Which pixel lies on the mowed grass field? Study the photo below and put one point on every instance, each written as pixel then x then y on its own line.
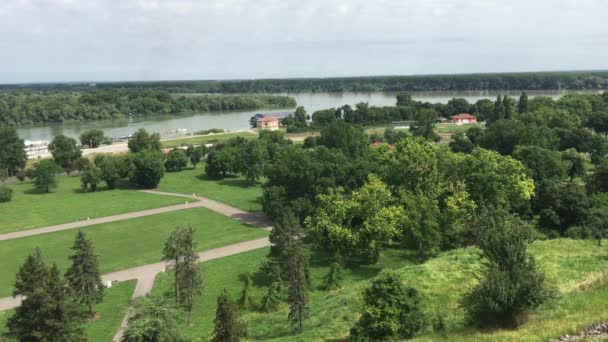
pixel 125 244
pixel 234 191
pixel 109 313
pixel 441 281
pixel 206 139
pixel 66 203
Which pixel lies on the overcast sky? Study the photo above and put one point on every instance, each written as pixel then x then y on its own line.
pixel 109 40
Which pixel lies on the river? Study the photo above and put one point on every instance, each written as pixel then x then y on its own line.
pixel 235 121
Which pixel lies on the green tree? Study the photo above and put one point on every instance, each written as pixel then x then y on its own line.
pixel 391 310
pixel 65 152
pixel 48 312
pixel 420 223
pixel 176 160
pixel 511 282
pixel 499 110
pixel 90 177
pixel 496 180
pixel 508 107
pixel 522 104
pixel 300 117
pixel 334 276
pixel 195 154
pixel 228 328
pixel 83 275
pixel 576 163
pixel 599 179
pixel 297 283
pixel 460 143
pixel 404 99
pixel 148 168
pixel 142 140
pixel 92 138
pixel 254 158
pixel 45 172
pixel 357 224
pixel 246 299
pixel 540 163
pixel 153 319
pixel 424 126
pixel 272 299
pixel 598 121
pixel 348 138
pixel 12 153
pixel 31 274
pixel 180 251
pixel 110 167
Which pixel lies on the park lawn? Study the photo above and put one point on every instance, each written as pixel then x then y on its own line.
pixel 441 281
pixel 234 191
pixel 206 139
pixel 109 313
pixel 125 244
pixel 66 203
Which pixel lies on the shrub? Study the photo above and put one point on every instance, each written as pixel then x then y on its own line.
pixel 579 232
pixel 511 282
pixel 391 310
pixel 6 194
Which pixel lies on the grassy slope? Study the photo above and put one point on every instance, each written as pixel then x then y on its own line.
pixel 441 281
pixel 110 312
pixel 125 244
pixel 206 139
pixel 232 191
pixel 66 203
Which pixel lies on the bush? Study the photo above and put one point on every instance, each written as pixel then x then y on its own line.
pixel 209 131
pixel 391 310
pixel 579 232
pixel 511 282
pixel 6 194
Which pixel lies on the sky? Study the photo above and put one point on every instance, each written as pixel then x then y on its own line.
pixel 121 40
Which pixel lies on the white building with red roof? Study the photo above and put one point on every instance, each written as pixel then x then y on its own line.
pixel 464 119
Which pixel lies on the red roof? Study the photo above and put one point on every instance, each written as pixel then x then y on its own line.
pixel 268 119
pixel 463 116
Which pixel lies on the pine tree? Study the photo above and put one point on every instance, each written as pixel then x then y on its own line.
pixel 279 236
pixel 153 319
pixel 246 300
pixel 48 313
pixel 297 284
pixel 272 299
pixel 83 276
pixel 522 105
pixel 31 274
pixel 508 108
pixel 228 328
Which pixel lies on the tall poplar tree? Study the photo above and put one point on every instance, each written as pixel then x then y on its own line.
pixel 499 109
pixel 83 276
pixel 508 107
pixel 522 105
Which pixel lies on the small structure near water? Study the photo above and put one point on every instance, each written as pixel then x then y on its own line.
pixel 271 121
pixel 464 119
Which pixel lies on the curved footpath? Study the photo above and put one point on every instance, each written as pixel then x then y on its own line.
pixel 145 275
pixel 252 218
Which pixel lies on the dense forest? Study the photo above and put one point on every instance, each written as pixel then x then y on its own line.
pixel 23 107
pixel 495 81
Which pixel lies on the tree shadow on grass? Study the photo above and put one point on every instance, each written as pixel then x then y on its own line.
pixel 229 180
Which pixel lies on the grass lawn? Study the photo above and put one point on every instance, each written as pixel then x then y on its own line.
pixel 206 139
pixel 441 281
pixel 66 203
pixel 124 244
pixel 233 191
pixel 111 312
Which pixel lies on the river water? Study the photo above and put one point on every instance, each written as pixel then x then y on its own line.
pixel 235 121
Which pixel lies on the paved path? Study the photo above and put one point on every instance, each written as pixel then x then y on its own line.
pixel 253 218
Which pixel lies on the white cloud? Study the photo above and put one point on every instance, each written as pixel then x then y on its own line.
pixel 159 39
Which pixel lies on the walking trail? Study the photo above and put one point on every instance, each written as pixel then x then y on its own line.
pixel 253 218
pixel 145 275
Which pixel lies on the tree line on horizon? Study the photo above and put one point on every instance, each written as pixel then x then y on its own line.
pixel 481 81
pixel 25 107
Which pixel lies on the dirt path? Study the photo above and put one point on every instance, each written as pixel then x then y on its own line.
pixel 253 218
